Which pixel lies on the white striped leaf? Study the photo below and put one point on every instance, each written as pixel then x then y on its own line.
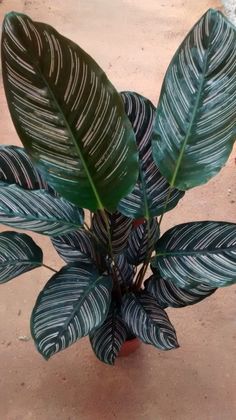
pixel 119 230
pixel 37 211
pixel 198 252
pixel 125 272
pixel 196 116
pixel 148 321
pixel 18 254
pixel 68 115
pixel 148 198
pixel 16 167
pixel 141 243
pixel 73 303
pixel 106 340
pixel 166 293
pixel 75 246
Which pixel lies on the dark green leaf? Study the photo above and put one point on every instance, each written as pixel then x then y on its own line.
pixel 125 272
pixel 141 243
pixel 37 211
pixel 166 293
pixel 75 301
pixel 18 254
pixel 68 115
pixel 148 198
pixel 198 252
pixel 148 321
pixel 196 116
pixel 106 340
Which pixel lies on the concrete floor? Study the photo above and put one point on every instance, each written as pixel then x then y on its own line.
pixel 133 40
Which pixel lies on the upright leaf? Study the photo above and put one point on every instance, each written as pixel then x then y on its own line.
pixel 38 211
pixel 18 254
pixel 196 116
pixel 68 115
pixel 124 270
pixel 106 340
pixel 75 246
pixel 166 293
pixel 74 302
pixel 16 167
pixel 119 230
pixel 148 321
pixel 142 241
pixel 148 198
pixel 198 252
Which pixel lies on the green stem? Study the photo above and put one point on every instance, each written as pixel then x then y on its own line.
pixel 49 268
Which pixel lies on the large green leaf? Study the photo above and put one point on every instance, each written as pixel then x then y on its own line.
pixel 75 301
pixel 68 115
pixel 148 198
pixel 148 321
pixel 198 252
pixel 167 293
pixel 18 254
pixel 38 211
pixel 195 125
pixel 106 340
pixel 16 167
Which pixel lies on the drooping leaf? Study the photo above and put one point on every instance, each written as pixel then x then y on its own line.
pixel 74 246
pixel 196 116
pixel 166 293
pixel 68 115
pixel 75 301
pixel 119 230
pixel 148 321
pixel 198 252
pixel 16 167
pixel 140 243
pixel 148 198
pixel 18 254
pixel 37 211
pixel 106 340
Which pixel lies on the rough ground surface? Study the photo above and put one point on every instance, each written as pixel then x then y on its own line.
pixel 133 40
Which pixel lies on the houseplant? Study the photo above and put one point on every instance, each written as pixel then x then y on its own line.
pixel 127 163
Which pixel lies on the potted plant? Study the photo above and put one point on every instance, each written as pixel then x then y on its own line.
pixel 98 172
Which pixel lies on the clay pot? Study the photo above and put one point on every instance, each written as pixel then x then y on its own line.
pixel 129 347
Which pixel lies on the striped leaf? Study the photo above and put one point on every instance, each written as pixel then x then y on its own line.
pixel 68 115
pixel 75 246
pixel 148 198
pixel 148 321
pixel 37 211
pixel 198 252
pixel 166 293
pixel 119 230
pixel 106 340
pixel 16 167
pixel 125 272
pixel 196 116
pixel 140 243
pixel 18 254
pixel 75 301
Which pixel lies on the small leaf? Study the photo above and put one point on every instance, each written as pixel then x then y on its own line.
pixel 198 252
pixel 148 321
pixel 140 244
pixel 194 131
pixel 74 302
pixel 18 254
pixel 148 198
pixel 16 167
pixel 166 293
pixel 125 271
pixel 106 340
pixel 119 230
pixel 74 246
pixel 67 114
pixel 37 211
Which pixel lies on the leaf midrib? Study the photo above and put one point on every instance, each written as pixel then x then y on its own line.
pixel 193 252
